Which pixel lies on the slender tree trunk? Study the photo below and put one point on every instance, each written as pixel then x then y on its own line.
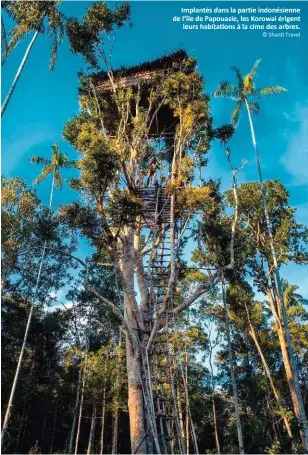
pixel 254 337
pixel 81 400
pixel 24 343
pixel 103 423
pixel 92 430
pixel 103 413
pixel 54 429
pixel 72 434
pixel 299 404
pixel 187 402
pixel 116 404
pixel 180 411
pixel 231 366
pixel 115 431
pixel 214 404
pixel 19 71
pixel 178 419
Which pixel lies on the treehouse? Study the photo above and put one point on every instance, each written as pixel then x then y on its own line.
pixel 142 80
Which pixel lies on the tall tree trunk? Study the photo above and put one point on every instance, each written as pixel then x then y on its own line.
pixel 231 366
pixel 54 429
pixel 72 434
pixel 103 413
pixel 135 400
pixel 187 401
pixel 24 343
pixel 92 431
pixel 84 371
pixel 103 423
pixel 180 411
pixel 115 431
pixel 299 408
pixel 217 443
pixel 136 406
pixel 254 337
pixel 19 71
pixel 116 404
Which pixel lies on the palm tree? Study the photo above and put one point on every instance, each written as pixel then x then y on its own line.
pixel 246 95
pixel 291 297
pixel 40 17
pixel 52 167
pixel 4 44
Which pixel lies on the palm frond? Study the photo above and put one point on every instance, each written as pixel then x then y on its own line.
pixel 17 34
pixel 58 179
pixel 45 172
pixel 4 44
pixel 254 70
pixel 227 90
pixel 8 7
pixel 254 108
pixel 72 164
pixel 55 32
pixel 272 90
pixel 239 77
pixel 237 112
pixel 39 160
pixel 55 152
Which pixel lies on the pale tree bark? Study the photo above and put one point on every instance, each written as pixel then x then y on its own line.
pixel 187 401
pixel 19 71
pixel 180 411
pixel 135 401
pixel 233 380
pixel 217 443
pixel 92 431
pixel 276 394
pixel 84 372
pixel 103 423
pixel 133 356
pixel 116 402
pixel 72 434
pixel 103 413
pixel 297 399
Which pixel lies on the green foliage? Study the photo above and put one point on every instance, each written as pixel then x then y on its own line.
pixel 124 208
pixel 246 92
pixel 290 237
pixel 52 167
pixel 86 35
pixel 43 17
pixel 26 224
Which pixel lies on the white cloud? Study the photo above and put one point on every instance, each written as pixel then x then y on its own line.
pixel 295 159
pixel 14 150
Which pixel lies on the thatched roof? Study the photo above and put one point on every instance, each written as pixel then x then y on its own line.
pixel 133 75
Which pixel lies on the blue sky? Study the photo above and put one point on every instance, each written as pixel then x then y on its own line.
pixel 44 101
